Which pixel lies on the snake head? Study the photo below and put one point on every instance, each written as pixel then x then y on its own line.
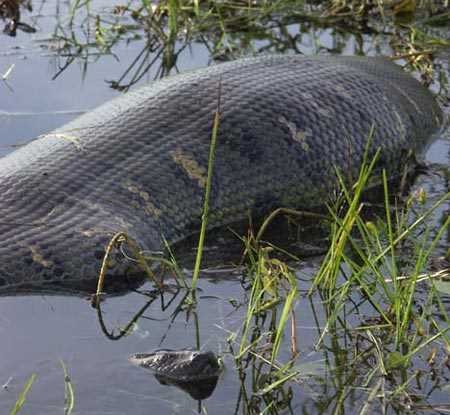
pixel 181 365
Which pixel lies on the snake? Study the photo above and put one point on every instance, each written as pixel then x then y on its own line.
pixel 181 365
pixel 138 164
pixel 193 371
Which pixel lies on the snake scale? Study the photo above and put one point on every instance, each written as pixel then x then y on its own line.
pixel 138 163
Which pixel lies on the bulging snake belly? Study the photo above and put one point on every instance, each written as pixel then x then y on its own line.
pixel 138 163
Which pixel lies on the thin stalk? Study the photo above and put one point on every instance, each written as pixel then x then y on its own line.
pixel 23 395
pixel 69 396
pixel 212 153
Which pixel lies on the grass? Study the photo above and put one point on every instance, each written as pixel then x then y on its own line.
pixel 212 152
pixel 69 395
pixel 229 29
pixel 23 395
pixel 397 332
pixel 271 303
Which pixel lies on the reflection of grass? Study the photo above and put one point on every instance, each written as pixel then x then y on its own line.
pixel 229 29
pixel 69 395
pixel 381 351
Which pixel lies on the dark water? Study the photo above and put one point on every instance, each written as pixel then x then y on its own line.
pixel 37 331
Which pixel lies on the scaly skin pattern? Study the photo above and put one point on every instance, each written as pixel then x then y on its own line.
pixel 181 365
pixel 138 164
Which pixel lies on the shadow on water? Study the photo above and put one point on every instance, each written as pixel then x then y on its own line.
pixel 347 349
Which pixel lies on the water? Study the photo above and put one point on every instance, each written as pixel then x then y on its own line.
pixel 39 331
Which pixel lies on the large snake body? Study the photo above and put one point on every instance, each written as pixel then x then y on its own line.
pixel 138 164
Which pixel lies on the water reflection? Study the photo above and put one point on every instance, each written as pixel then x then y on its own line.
pixel 198 390
pixel 194 371
pixel 162 36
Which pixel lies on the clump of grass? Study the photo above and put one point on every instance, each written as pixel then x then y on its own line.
pixel 417 48
pixel 365 260
pixel 341 228
pixel 270 307
pixel 229 29
pixel 363 9
pixel 369 257
pixel 374 257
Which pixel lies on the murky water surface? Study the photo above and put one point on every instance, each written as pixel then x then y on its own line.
pixel 38 331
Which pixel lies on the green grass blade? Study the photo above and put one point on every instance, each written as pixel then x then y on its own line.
pixel 212 152
pixel 23 395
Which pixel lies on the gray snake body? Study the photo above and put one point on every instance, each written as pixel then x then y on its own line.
pixel 138 163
